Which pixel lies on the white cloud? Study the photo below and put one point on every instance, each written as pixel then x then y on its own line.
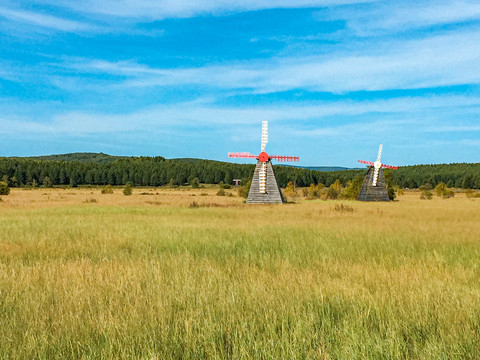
pixel 436 61
pixel 320 117
pixel 46 21
pixel 397 16
pixel 155 9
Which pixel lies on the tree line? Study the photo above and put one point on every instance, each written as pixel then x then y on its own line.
pixel 158 171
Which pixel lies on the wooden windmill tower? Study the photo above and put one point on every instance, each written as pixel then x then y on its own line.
pixel 374 187
pixel 264 188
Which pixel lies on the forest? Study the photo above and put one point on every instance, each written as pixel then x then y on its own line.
pixel 101 169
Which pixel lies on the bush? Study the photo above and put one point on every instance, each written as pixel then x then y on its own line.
pixel 353 189
pixel 4 189
pixel 47 183
pixel 469 193
pixel 313 191
pixel 128 189
pixel 221 192
pixel 289 191
pixel 108 189
pixel 392 194
pixel 244 190
pixel 426 195
pixel 442 190
pixel 332 193
pixel 195 182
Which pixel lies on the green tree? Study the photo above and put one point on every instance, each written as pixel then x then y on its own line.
pixel 312 191
pixel 332 193
pixel 353 188
pixel 441 190
pixel 4 189
pixel 195 182
pixel 127 190
pixel 426 195
pixel 290 190
pixel 47 183
pixel 245 189
pixel 5 179
pixel 389 181
pixel 108 189
pixel 337 185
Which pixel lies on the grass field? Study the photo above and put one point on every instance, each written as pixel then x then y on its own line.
pixel 91 276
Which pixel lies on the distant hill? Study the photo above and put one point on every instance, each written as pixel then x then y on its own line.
pixel 106 158
pixel 82 157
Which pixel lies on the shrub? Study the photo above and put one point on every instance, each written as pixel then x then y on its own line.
pixel 47 183
pixel 195 182
pixel 289 191
pixel 337 185
pixel 426 195
pixel 469 193
pixel 108 189
pixel 332 193
pixel 353 189
pixel 244 190
pixel 221 192
pixel 128 189
pixel 4 189
pixel 442 190
pixel 5 179
pixel 392 194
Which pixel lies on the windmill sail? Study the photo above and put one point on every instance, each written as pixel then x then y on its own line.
pixel 377 164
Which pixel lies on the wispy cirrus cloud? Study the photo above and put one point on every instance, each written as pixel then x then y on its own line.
pixel 205 113
pixel 45 20
pixel 157 10
pixel 443 60
pixel 397 16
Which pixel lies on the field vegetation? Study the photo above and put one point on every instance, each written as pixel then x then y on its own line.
pixel 86 275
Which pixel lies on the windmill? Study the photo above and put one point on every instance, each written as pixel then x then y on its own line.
pixel 264 188
pixel 374 187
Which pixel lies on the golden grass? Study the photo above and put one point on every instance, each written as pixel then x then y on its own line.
pixel 147 276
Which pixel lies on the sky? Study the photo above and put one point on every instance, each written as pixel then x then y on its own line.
pixel 185 78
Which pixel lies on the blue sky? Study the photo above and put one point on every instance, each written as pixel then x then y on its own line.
pixel 191 78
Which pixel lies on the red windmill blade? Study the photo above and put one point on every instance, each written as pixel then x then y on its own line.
pixel 263 157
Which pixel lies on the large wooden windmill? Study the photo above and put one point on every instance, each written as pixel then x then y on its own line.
pixel 264 188
pixel 374 187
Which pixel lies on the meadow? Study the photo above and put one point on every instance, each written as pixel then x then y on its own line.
pixel 187 274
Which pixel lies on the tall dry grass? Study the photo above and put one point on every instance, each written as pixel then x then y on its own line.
pixel 124 278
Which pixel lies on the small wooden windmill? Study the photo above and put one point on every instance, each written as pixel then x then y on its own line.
pixel 374 187
pixel 264 188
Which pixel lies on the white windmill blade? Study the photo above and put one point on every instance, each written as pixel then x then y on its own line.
pixel 379 155
pixel 262 179
pixel 375 177
pixel 377 165
pixel 264 134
